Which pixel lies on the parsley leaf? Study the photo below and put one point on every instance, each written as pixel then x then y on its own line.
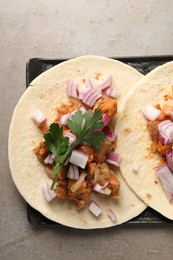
pixel 86 127
pixel 56 143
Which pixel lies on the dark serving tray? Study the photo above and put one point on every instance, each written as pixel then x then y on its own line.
pixel 36 66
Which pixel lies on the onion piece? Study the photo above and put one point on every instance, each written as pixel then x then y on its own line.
pixel 73 172
pixel 94 208
pixel 169 157
pixel 91 97
pixel 71 88
pixel 171 114
pixel 112 215
pixel 89 83
pixel 105 119
pixel 114 93
pixel 78 183
pixel 102 189
pixel 113 162
pixel 107 191
pixel 82 90
pixel 114 156
pixel 109 135
pixel 166 177
pixel 151 113
pixel 48 193
pixel 64 119
pixel 39 118
pixel 49 159
pixel 165 131
pixel 71 136
pixel 79 158
pixel 97 187
pixel 105 83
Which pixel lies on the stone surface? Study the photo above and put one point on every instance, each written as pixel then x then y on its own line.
pixel 64 29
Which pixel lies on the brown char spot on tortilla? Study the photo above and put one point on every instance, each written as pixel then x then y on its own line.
pixel 98 75
pixel 127 131
pixel 148 196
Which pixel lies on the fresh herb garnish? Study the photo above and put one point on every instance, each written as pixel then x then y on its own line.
pixel 86 127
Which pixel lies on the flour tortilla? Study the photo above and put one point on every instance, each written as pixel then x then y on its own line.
pixel 45 93
pixel 134 138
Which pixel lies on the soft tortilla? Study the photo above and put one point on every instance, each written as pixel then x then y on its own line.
pixel 134 138
pixel 28 173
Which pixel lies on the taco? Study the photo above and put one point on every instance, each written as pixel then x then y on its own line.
pixel 52 97
pixel 145 139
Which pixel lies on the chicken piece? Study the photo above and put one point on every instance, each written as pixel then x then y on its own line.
pixel 66 108
pixel 81 195
pixel 61 189
pixel 107 105
pixel 101 173
pixel 105 147
pixel 87 149
pixel 41 151
pixel 156 146
pixel 61 175
pixel 152 127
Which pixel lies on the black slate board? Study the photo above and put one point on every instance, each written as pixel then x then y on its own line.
pixel 35 67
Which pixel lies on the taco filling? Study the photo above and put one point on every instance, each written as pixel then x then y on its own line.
pixel 160 127
pixel 77 148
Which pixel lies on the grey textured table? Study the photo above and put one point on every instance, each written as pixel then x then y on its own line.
pixel 64 29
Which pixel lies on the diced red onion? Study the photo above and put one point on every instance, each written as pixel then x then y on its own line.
pixel 114 93
pixel 107 191
pixel 109 135
pixel 102 189
pixel 166 177
pixel 105 119
pixel 91 97
pixel 39 118
pixel 169 158
pixel 48 193
pixel 94 208
pixel 112 162
pixel 114 156
pixel 165 131
pixel 163 124
pixel 73 172
pixel 64 119
pixel 97 187
pixel 49 159
pixel 112 215
pixel 151 113
pixel 105 83
pixel 89 83
pixel 171 114
pixel 83 89
pixel 72 88
pixel 78 183
pixel 71 136
pixel 79 158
